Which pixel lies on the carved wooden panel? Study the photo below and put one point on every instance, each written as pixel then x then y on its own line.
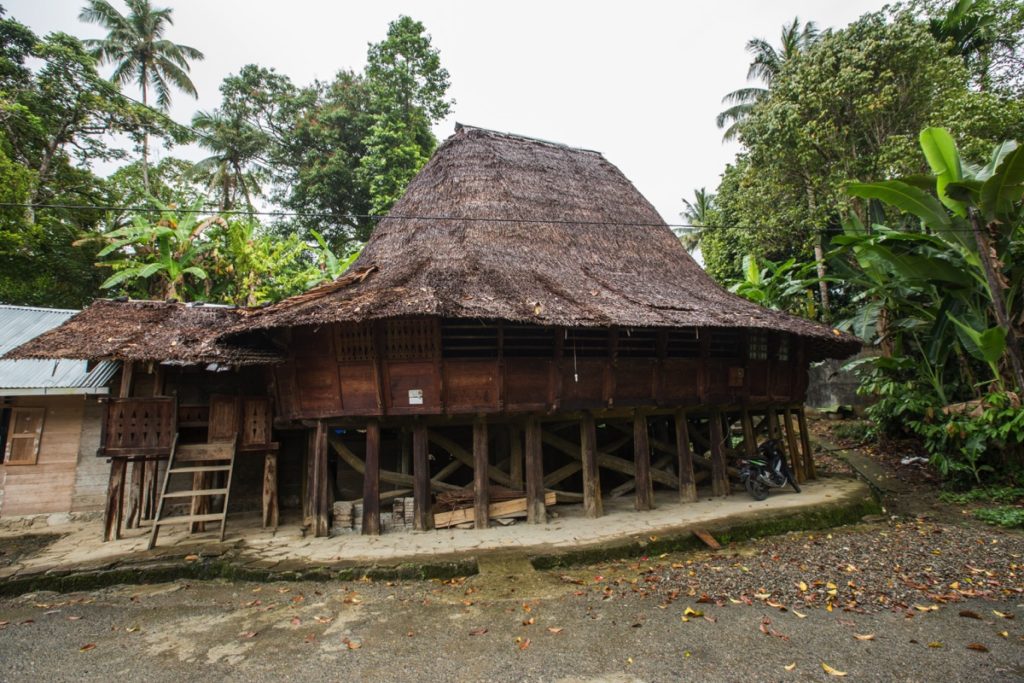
pixel 257 422
pixel 139 426
pixel 411 338
pixel 354 341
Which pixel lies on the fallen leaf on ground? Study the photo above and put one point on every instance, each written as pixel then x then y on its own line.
pixel 977 647
pixel 1004 615
pixel 790 667
pixel 191 558
pixel 926 608
pixel 830 671
pixel 132 629
pixel 478 632
pixel 688 612
pixel 524 644
pixel 87 647
pixel 74 618
pixel 802 586
pixel 968 614
pixel 799 615
pixel 247 634
pixel 354 644
pixel 935 644
pixel 296 621
pixel 529 622
pixel 323 620
pixel 554 629
pixel 352 600
pixel 769 631
pixel 864 636
pixel 310 637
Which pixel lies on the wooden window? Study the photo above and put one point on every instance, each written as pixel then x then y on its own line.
pixel 23 436
pixel 683 342
pixel 469 339
pixel 354 341
pixel 638 343
pixel 725 344
pixel 410 339
pixel 528 341
pixel 757 346
pixel 783 352
pixel 585 343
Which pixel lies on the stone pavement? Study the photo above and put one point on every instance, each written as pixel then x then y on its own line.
pixel 252 551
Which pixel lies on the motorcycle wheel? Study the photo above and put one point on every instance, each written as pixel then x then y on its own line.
pixel 756 489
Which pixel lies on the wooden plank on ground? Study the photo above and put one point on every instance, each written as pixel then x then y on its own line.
pixel 503 509
pixel 707 538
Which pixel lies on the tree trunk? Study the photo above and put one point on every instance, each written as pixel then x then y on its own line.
pixel 145 138
pixel 998 303
pixel 819 259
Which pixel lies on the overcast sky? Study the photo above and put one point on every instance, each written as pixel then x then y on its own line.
pixel 639 81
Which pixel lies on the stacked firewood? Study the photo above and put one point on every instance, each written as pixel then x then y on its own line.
pixel 463 498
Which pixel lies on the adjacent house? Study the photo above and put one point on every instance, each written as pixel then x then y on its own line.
pixel 50 422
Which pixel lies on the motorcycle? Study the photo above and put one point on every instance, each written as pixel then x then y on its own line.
pixel 767 471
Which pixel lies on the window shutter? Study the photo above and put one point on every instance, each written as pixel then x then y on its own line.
pixel 24 435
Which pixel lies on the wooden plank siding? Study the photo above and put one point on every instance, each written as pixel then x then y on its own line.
pixel 408 367
pixel 48 485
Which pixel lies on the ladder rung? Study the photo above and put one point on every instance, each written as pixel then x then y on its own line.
pixel 206 468
pixel 187 519
pixel 197 492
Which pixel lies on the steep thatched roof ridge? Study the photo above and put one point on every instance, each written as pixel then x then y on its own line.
pixel 144 331
pixel 499 226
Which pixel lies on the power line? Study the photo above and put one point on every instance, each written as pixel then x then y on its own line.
pixel 350 216
pixel 370 216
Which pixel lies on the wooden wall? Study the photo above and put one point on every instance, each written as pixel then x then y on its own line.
pixel 426 367
pixel 47 486
pixel 92 473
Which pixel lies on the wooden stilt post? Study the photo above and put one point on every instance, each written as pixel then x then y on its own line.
pixel 687 481
pixel 481 482
pixel 422 519
pixel 309 481
pixel 371 481
pixel 773 424
pixel 592 504
pixel 749 440
pixel 805 443
pixel 150 481
pixel 323 490
pixel 642 461
pixel 113 509
pixel 795 457
pixel 515 456
pixel 134 513
pixel 536 513
pixel 405 464
pixel 719 476
pixel 115 500
pixel 270 508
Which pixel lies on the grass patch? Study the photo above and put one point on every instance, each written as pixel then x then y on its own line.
pixel 1004 515
pixel 1004 495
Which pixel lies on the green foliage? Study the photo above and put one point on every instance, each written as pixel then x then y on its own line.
pixel 1005 516
pixel 786 286
pixel 989 494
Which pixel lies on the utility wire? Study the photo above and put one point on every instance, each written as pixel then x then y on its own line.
pixel 353 216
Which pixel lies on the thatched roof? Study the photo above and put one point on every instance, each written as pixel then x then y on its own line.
pixel 158 331
pixel 503 227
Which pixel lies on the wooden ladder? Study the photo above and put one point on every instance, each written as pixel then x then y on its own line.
pixel 207 458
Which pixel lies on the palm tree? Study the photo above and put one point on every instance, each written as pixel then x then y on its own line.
pixel 696 215
pixel 141 55
pixel 230 171
pixel 971 28
pixel 768 62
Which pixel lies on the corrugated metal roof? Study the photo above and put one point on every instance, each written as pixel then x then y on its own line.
pixel 18 324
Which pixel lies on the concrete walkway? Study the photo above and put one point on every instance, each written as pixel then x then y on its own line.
pixel 251 549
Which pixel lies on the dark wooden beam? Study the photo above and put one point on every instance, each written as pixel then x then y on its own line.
pixel 719 476
pixel 608 461
pixel 749 440
pixel 466 457
pixel 371 480
pixel 270 507
pixel 423 518
pixel 536 513
pixel 687 481
pixel 642 460
pixel 592 505
pixel 481 482
pixel 114 508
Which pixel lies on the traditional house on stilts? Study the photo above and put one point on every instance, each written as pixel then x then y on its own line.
pixel 523 324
